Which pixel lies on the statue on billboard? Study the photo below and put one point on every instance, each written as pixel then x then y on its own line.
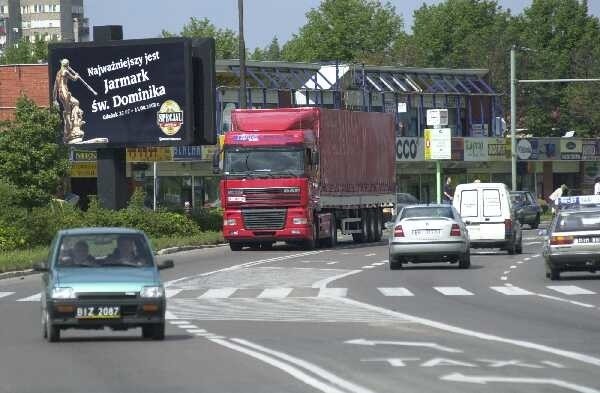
pixel 72 113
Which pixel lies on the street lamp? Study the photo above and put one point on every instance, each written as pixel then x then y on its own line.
pixel 242 50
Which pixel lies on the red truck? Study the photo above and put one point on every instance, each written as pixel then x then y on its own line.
pixel 300 174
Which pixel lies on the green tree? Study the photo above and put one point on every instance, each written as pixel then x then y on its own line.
pixel 346 30
pixel 563 41
pixel 271 52
pixel 32 160
pixel 226 40
pixel 26 52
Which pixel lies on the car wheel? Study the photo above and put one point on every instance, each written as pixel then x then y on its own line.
pixel 511 248
pixel 44 328
pixel 52 332
pixel 331 241
pixel 554 274
pixel 158 331
pixel 395 263
pixel 464 261
pixel 235 246
pixel 519 247
pixel 535 224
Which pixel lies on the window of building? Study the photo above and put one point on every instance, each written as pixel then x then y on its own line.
pixel 1 9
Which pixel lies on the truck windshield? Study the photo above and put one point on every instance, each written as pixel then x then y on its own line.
pixel 264 161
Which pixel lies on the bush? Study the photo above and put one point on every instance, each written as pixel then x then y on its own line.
pixel 208 219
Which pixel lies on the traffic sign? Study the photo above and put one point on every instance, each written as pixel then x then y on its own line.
pixel 437 117
pixel 438 144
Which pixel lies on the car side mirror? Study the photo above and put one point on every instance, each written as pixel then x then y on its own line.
pixel 168 264
pixel 40 267
pixel 389 225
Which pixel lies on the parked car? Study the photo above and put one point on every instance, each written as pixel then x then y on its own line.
pixel 526 207
pixel 404 199
pixel 489 216
pixel 572 242
pixel 429 233
pixel 98 277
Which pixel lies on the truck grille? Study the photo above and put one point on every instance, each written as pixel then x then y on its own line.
pixel 264 218
pixel 281 196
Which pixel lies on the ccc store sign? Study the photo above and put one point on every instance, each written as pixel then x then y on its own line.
pixel 409 149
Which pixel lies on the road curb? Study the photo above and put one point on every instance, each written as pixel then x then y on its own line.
pixel 164 251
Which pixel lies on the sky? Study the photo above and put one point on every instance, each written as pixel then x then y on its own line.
pixel 263 19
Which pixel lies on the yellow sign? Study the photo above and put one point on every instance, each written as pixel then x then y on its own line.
pixel 141 154
pixel 438 144
pixel 83 169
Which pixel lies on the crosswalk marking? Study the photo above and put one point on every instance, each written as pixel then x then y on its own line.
pixel 333 292
pixel 32 298
pixel 395 292
pixel 218 293
pixel 172 292
pixel 511 291
pixel 570 290
pixel 453 291
pixel 275 293
pixel 5 294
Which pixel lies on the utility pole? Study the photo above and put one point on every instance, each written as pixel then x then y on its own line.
pixel 513 116
pixel 242 55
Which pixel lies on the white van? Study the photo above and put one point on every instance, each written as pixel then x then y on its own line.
pixel 488 214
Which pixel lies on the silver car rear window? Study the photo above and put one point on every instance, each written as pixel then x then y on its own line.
pixel 427 211
pixel 578 222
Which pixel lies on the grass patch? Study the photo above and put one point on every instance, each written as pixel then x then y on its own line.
pixel 24 259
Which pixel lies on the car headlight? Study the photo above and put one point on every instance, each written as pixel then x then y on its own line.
pixel 152 292
pixel 63 293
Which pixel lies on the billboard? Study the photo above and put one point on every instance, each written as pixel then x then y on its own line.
pixel 134 92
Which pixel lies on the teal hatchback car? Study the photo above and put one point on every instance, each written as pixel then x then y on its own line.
pixel 102 277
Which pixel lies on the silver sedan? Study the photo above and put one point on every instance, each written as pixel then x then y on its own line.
pixel 429 233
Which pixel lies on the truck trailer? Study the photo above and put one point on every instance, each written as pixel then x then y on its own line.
pixel 299 175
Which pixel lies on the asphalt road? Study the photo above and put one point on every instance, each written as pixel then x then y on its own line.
pixel 331 320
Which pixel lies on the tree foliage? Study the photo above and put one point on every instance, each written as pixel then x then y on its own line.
pixel 346 30
pixel 271 52
pixel 32 160
pixel 26 52
pixel 226 40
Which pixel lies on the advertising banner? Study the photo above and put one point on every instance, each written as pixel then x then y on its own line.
pixel 149 154
pixel 438 144
pixel 187 153
pixel 83 155
pixel 549 149
pixel 83 169
pixel 528 149
pixel 590 150
pixel 409 149
pixel 476 149
pixel 571 149
pixel 498 149
pixel 129 93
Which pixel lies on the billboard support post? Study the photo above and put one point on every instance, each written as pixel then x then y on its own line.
pixel 112 163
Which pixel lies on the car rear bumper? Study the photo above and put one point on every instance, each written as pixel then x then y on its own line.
pixel 424 250
pixel 583 261
pixel 490 243
pixel 132 313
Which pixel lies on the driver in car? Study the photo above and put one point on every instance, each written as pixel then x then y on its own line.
pixel 125 253
pixel 80 254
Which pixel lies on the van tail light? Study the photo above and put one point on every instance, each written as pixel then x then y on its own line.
pixel 558 240
pixel 455 231
pixel 508 225
pixel 398 231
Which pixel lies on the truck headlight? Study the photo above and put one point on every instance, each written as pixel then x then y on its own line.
pixel 63 293
pixel 152 292
pixel 299 221
pixel 229 222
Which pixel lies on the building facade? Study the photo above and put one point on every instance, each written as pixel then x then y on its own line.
pixel 50 20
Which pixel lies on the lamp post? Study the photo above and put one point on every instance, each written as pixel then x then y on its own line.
pixel 242 50
pixel 513 116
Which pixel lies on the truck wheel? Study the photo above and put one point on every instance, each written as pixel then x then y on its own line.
pixel 378 225
pixel 371 225
pixel 311 244
pixel 362 236
pixel 331 241
pixel 235 246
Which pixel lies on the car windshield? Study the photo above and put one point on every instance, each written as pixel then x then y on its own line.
pixel 264 161
pixel 427 211
pixel 517 198
pixel 99 250
pixel 578 222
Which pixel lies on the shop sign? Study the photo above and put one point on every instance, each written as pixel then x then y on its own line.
pixel 141 154
pixel 409 149
pixel 527 149
pixel 83 169
pixel 187 153
pixel 571 149
pixel 548 149
pixel 438 143
pixel 590 150
pixel 498 149
pixel 476 149
pixel 479 129
pixel 458 151
pixel 208 152
pixel 83 155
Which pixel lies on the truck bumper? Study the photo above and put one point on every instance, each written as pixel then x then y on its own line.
pixel 248 236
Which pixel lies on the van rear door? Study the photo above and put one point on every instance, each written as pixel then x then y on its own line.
pixel 492 218
pixel 469 211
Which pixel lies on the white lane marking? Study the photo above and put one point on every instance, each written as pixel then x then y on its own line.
pixel 511 291
pixel 275 293
pixel 580 357
pixel 506 272
pixel 179 322
pixel 187 326
pixel 520 262
pixel 400 291
pixel 527 259
pixel 503 278
pixel 531 243
pixel 323 283
pixel 509 285
pixel 370 343
pixel 196 331
pixel 5 294
pixel 291 370
pixel 570 290
pixel 552 364
pixel 582 304
pixel 384 261
pixel 379 263
pixel 243 265
pixel 368 267
pixel 535 256
pixel 171 292
pixel 330 377
pixel 458 377
pixel 218 293
pixel 370 255
pixel 169 316
pixel 333 292
pixel 33 298
pixel 513 267
pixel 332 263
pixel 453 291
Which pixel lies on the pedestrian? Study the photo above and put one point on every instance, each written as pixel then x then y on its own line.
pixel 448 194
pixel 187 208
pixel 597 186
pixel 559 192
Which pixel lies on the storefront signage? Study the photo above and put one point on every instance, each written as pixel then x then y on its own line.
pixel 141 154
pixel 527 149
pixel 590 150
pixel 130 92
pixel 549 149
pixel 83 155
pixel 409 149
pixel 571 149
pixel 83 169
pixel 476 149
pixel 498 149
pixel 187 153
pixel 438 144
pixel 458 149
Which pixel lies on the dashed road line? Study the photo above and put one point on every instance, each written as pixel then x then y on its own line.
pixel 570 290
pixel 400 291
pixel 275 293
pixel 33 298
pixel 218 293
pixel 453 291
pixel 5 294
pixel 333 292
pixel 367 267
pixel 511 291
pixel 370 255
